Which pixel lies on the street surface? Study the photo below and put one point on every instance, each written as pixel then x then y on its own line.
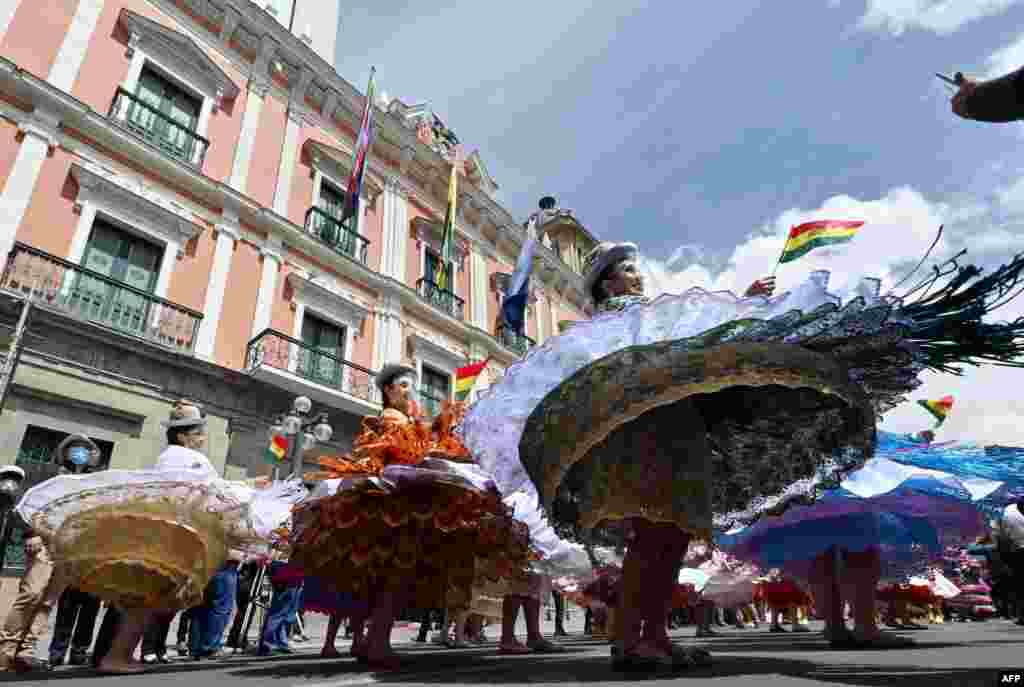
pixel 952 654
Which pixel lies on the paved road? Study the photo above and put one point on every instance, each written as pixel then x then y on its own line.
pixel 952 654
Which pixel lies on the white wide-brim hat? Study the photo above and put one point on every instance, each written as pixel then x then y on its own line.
pixel 185 414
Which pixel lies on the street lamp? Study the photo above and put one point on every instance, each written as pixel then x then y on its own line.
pixel 303 434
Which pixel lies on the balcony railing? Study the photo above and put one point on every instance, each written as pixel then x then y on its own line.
pixel 509 338
pixel 281 352
pixel 430 402
pixel 175 139
pixel 442 299
pixel 336 234
pixel 91 296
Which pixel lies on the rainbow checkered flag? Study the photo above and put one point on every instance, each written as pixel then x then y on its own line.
pixel 277 451
pixel 939 409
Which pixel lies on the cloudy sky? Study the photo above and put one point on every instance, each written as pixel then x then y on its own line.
pixel 704 135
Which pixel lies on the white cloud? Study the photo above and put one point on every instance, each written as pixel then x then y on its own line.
pixel 939 16
pixel 1005 60
pixel 899 228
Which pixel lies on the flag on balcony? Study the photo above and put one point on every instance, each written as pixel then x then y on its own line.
pixel 444 279
pixel 278 450
pixel 465 378
pixel 355 180
pixel 513 308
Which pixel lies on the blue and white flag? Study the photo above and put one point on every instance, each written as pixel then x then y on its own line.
pixel 513 308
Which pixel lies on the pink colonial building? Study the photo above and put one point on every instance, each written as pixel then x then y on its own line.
pixel 171 180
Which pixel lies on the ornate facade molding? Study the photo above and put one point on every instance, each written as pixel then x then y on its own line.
pixel 328 298
pixel 431 234
pixel 435 354
pixel 179 53
pixel 137 203
pixel 336 164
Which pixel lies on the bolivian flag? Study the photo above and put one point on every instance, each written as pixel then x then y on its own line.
pixel 465 378
pixel 277 450
pixel 806 237
pixel 939 409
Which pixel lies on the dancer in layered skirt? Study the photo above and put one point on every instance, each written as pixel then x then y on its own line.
pixel 401 520
pixel 148 541
pixel 666 412
pixel 886 521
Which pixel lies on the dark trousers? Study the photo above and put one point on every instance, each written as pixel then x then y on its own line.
pixel 283 606
pixel 76 619
pixel 185 626
pixel 105 637
pixel 154 639
pixel 211 619
pixel 246 578
pixel 559 613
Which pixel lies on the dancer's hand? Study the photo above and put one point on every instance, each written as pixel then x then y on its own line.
pixel 761 287
pixel 959 101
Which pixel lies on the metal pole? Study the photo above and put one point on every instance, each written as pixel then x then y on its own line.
pixel 14 352
pixel 295 451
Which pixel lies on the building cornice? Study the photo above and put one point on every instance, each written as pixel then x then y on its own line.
pixel 75 115
pixel 392 135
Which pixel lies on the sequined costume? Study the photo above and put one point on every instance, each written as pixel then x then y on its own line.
pixel 705 408
pixel 407 507
pixel 910 515
pixel 152 538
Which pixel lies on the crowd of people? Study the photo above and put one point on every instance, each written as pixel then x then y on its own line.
pixel 719 451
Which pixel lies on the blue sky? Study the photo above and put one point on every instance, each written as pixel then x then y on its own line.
pixel 703 134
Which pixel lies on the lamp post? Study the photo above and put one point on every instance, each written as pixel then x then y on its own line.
pixel 303 432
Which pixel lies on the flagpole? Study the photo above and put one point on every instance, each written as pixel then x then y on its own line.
pixel 779 261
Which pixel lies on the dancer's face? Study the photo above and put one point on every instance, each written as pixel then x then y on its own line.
pixel 625 280
pixel 195 439
pixel 399 394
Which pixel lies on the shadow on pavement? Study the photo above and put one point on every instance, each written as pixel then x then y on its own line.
pixel 472 669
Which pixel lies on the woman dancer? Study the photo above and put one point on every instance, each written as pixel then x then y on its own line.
pixel 172 527
pixel 658 412
pixel 402 519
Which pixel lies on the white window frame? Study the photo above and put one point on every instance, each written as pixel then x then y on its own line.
pixel 330 304
pixel 319 177
pixel 150 44
pixel 131 82
pixel 100 192
pixel 436 357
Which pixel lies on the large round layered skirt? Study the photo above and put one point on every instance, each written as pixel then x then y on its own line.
pixel 150 538
pixel 705 408
pixel 908 514
pixel 418 527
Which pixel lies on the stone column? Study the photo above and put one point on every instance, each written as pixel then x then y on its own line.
pixel 228 234
pixel 478 297
pixel 76 42
pixel 541 316
pixel 396 229
pixel 273 256
pixel 388 342
pixel 7 10
pixel 38 137
pixel 289 153
pixel 258 89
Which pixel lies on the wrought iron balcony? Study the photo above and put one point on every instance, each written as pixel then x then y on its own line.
pixel 336 234
pixel 430 402
pixel 509 338
pixel 281 352
pixel 442 299
pixel 87 295
pixel 153 126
